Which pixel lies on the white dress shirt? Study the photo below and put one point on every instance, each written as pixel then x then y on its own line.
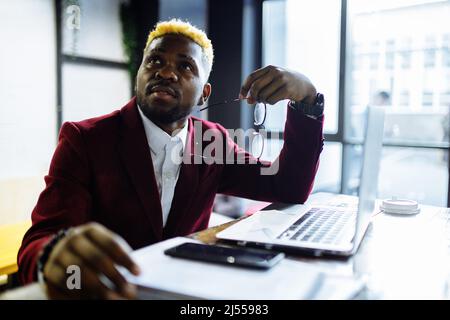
pixel 167 154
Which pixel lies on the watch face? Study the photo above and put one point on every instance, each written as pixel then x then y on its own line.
pixel 320 100
pixel 317 108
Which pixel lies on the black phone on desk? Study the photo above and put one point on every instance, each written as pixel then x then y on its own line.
pixel 233 256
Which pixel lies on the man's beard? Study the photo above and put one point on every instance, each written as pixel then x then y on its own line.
pixel 163 117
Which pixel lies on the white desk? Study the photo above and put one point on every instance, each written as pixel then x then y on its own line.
pixel 402 257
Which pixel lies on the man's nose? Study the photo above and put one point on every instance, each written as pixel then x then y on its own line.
pixel 167 72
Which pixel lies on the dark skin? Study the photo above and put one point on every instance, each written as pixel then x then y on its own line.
pixel 96 250
pixel 272 84
pixel 171 81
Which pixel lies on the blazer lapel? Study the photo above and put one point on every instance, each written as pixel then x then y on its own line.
pixel 186 185
pixel 135 153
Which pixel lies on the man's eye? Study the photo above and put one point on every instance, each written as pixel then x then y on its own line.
pixel 187 66
pixel 153 61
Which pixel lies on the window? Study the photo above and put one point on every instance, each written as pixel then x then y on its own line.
pixel 99 32
pixel 402 174
pixel 429 52
pixel 329 174
pixel 93 61
pixel 80 83
pixel 445 100
pixel 427 99
pixel 405 53
pixel 374 55
pixel 36 97
pixel 357 56
pixel 312 55
pixel 27 111
pixel 404 98
pixel 393 62
pixel 305 52
pixel 415 123
pixel 390 55
pixel 446 50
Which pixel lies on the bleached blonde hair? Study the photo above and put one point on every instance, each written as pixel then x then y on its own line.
pixel 177 26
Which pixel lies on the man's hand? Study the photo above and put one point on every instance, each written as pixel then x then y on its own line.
pixel 95 250
pixel 272 84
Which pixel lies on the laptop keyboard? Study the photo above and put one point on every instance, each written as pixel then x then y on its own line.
pixel 322 225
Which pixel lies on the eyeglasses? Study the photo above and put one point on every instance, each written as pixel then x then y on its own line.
pixel 259 116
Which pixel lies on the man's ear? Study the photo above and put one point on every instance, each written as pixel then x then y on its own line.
pixel 205 94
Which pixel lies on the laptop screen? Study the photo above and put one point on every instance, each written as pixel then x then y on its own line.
pixel 369 171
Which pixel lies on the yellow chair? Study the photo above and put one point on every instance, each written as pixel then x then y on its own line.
pixel 10 240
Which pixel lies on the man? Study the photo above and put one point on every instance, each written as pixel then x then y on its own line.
pixel 113 179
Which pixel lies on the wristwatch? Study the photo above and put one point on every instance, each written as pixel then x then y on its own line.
pixel 315 110
pixel 42 260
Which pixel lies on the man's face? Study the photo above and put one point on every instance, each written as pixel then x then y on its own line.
pixel 171 79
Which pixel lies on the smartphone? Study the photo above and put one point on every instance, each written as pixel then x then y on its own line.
pixel 243 257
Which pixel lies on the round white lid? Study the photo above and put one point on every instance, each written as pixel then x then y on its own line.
pixel 401 206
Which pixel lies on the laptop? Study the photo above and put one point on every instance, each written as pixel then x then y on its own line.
pixel 319 230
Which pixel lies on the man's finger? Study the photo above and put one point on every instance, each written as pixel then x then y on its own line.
pixel 250 79
pixel 278 95
pixel 259 85
pixel 100 262
pixel 269 90
pixel 90 280
pixel 113 245
pixel 55 278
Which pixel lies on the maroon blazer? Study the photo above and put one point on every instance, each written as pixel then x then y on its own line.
pixel 102 171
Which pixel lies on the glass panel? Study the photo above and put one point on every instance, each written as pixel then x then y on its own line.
pixel 419 174
pixel 328 178
pixel 446 50
pixel 93 91
pixel 412 173
pixel 28 104
pixel 305 52
pixel 399 60
pixel 274 38
pixel 98 31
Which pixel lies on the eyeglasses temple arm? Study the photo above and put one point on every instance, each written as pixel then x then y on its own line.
pixel 219 103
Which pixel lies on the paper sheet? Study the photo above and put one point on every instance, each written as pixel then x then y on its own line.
pixel 175 277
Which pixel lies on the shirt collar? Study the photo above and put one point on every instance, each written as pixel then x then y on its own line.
pixel 158 138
